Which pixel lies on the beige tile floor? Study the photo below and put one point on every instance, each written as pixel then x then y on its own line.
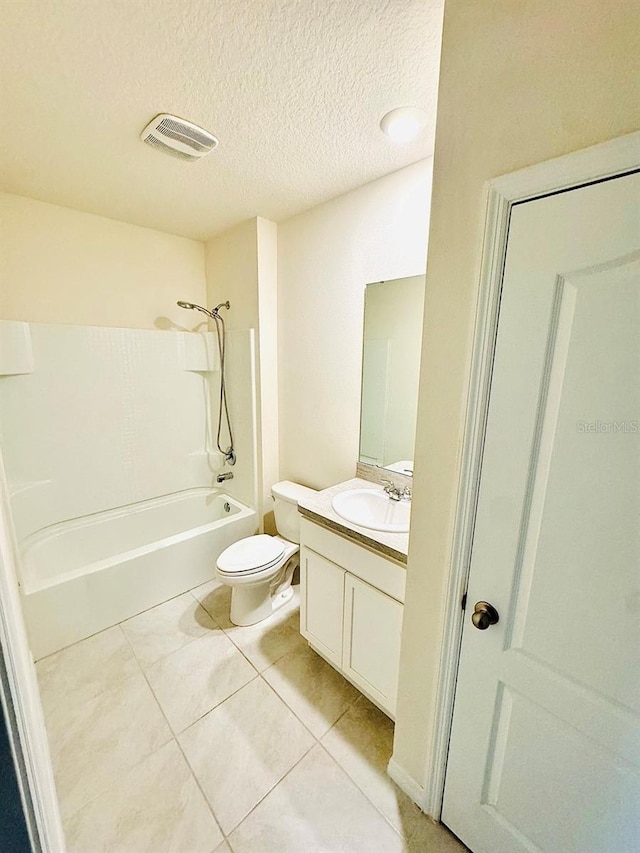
pixel 178 732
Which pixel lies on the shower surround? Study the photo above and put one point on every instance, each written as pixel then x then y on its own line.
pixel 106 442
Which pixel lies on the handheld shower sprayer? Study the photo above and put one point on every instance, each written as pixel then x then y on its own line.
pixel 213 314
pixel 229 452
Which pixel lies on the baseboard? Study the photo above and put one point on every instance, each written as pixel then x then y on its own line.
pixel 406 783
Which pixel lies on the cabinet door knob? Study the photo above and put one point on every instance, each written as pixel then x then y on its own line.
pixel 484 615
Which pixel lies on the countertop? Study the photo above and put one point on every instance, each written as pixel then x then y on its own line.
pixel 318 509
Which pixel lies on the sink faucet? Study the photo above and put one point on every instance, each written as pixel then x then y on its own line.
pixel 395 493
pixel 228 475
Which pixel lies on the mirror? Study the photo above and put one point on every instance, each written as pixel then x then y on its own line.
pixel 390 372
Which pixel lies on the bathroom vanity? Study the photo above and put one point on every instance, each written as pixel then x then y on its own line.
pixel 352 585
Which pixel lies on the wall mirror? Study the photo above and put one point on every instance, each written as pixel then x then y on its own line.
pixel 390 372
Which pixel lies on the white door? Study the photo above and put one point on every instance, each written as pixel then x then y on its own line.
pixel 545 747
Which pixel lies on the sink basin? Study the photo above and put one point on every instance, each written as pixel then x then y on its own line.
pixel 374 509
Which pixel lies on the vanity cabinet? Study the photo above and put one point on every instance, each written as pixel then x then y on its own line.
pixel 351 609
pixel 322 589
pixel 371 640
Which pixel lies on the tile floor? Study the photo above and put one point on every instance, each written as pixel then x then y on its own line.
pixel 178 732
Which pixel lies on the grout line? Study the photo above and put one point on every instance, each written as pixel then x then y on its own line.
pixel 345 770
pixel 217 627
pixel 206 713
pixel 369 764
pixel 238 649
pixel 76 643
pixel 146 680
pixel 109 627
pixel 189 641
pixel 229 632
pixel 286 704
pixel 197 781
pixel 367 798
pixel 144 673
pixel 277 782
pixel 111 689
pixel 293 710
pixel 177 742
pixel 272 788
pixel 174 736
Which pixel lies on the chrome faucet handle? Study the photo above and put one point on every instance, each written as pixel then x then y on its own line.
pixel 392 490
pixel 406 494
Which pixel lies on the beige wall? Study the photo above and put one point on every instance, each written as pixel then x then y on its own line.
pixel 63 266
pixel 520 83
pixel 326 256
pixel 241 266
pixel 232 274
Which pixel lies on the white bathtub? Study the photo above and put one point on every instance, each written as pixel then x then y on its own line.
pixel 82 576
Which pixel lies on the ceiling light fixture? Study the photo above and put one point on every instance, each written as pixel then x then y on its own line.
pixel 404 123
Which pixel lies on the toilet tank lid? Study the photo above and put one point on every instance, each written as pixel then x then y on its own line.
pixel 291 492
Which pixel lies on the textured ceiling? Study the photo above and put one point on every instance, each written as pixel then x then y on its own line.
pixel 294 90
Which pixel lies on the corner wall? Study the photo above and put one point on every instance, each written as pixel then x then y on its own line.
pixel 520 83
pixel 241 266
pixel 60 265
pixel 326 256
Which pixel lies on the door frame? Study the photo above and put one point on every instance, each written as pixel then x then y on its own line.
pixel 20 700
pixel 590 165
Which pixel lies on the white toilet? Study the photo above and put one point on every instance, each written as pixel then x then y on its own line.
pixel 259 568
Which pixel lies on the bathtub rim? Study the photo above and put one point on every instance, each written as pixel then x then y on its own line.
pixel 41 536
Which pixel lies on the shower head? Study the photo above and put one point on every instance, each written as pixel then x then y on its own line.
pixel 214 313
pixel 192 305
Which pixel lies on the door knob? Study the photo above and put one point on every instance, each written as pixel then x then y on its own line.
pixel 484 615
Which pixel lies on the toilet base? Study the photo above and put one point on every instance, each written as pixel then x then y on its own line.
pixel 253 604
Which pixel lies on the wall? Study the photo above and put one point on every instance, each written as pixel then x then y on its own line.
pixel 63 266
pixel 519 83
pixel 241 266
pixel 231 263
pixel 326 256
pixel 242 397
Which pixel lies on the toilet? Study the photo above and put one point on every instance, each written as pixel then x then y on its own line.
pixel 259 568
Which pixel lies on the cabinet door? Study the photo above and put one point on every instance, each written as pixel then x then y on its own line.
pixel 322 604
pixel 372 629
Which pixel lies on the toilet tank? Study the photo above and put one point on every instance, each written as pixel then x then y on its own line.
pixel 286 496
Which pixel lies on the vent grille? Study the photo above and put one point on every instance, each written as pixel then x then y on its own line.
pixel 178 137
pixel 162 146
pixel 199 141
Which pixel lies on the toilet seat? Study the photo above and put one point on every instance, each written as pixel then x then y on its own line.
pixel 251 554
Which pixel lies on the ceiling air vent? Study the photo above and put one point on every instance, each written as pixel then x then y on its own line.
pixel 178 137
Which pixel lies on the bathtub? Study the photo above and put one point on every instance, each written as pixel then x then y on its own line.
pixel 82 576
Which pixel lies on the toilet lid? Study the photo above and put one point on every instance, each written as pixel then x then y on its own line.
pixel 252 553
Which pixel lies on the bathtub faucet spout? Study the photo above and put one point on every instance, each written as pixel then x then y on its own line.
pixel 228 475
